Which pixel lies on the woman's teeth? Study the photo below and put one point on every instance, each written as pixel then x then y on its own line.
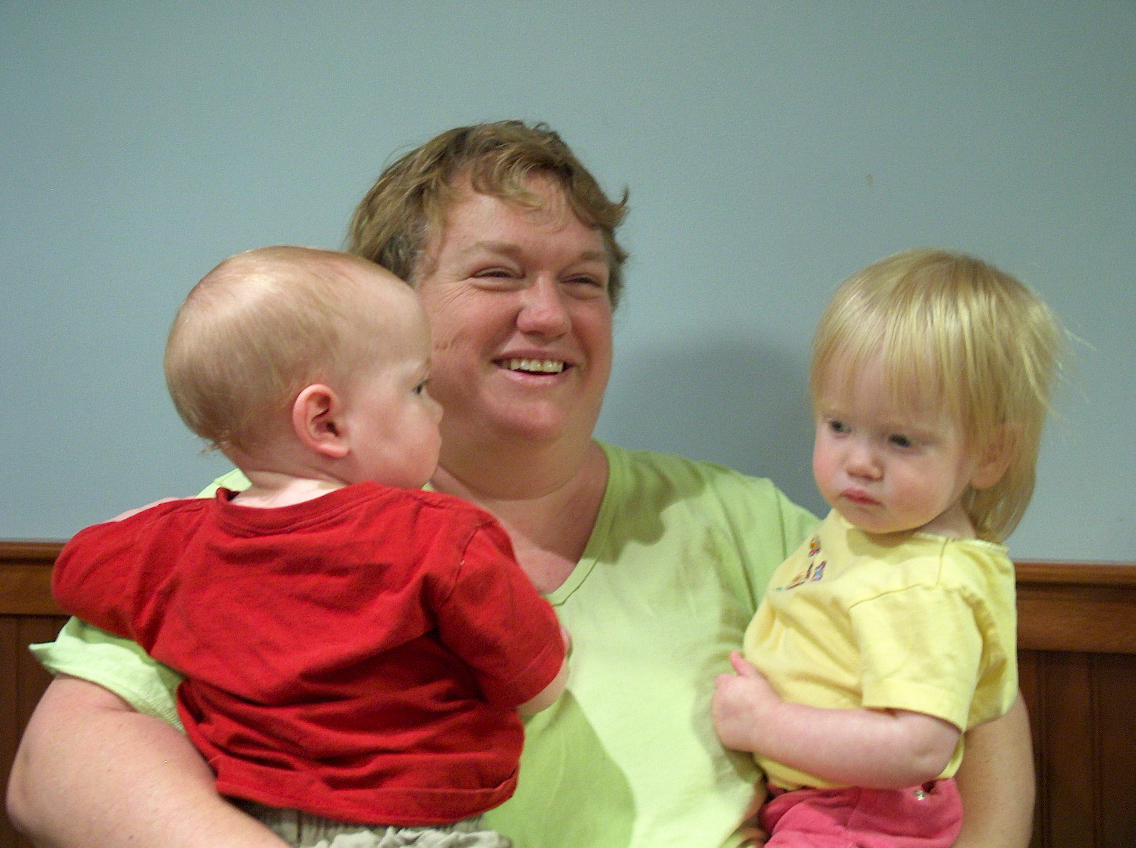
pixel 536 366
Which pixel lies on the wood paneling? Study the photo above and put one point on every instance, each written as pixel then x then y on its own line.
pixel 27 615
pixel 1077 654
pixel 1076 607
pixel 1077 668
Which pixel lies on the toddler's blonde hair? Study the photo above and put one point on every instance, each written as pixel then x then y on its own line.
pixel 953 330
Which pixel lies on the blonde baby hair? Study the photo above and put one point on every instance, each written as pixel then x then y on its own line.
pixel 258 328
pixel 949 329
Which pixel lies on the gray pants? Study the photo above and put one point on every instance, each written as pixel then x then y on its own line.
pixel 302 830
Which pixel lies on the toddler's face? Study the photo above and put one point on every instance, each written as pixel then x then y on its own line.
pixel 889 468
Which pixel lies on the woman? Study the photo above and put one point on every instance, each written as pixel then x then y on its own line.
pixel 654 564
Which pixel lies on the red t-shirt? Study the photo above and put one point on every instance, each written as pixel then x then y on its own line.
pixel 359 656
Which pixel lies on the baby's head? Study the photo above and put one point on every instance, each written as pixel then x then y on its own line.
pixel 953 337
pixel 265 326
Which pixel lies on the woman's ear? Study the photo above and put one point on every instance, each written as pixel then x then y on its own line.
pixel 995 457
pixel 317 421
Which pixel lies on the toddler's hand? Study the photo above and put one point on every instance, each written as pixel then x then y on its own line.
pixel 740 703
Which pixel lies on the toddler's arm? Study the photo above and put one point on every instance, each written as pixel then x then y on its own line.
pixel 857 747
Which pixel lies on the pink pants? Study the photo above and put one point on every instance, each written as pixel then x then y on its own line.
pixel 926 816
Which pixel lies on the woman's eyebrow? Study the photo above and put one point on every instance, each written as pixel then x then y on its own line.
pixel 507 248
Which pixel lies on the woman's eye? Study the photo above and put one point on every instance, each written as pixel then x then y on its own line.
pixel 586 288
pixel 498 277
pixel 588 280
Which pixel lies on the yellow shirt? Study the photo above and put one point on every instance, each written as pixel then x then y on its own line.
pixel 920 623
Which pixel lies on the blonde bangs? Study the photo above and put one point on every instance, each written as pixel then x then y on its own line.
pixel 953 332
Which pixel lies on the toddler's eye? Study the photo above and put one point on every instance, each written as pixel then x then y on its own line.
pixel 838 426
pixel 900 441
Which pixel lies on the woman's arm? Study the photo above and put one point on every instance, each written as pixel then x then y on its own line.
pixel 996 780
pixel 91 772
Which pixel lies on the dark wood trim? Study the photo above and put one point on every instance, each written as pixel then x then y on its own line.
pixel 1088 607
pixel 29 551
pixel 25 577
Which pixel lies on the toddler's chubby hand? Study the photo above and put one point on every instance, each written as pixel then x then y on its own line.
pixel 740 703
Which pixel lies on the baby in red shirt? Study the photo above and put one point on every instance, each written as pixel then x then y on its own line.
pixel 357 652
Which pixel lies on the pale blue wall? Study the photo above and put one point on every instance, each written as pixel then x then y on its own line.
pixel 771 148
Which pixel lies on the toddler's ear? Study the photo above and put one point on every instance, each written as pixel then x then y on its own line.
pixel 316 420
pixel 995 457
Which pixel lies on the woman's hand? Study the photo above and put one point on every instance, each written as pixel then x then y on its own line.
pixel 752 833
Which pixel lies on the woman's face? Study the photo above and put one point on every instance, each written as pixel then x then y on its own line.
pixel 521 321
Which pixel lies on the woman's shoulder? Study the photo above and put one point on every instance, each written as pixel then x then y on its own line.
pixel 234 481
pixel 744 523
pixel 650 477
pixel 652 469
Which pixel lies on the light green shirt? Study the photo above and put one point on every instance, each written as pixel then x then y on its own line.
pixel 679 557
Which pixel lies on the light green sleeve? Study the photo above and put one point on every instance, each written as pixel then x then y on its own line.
pixel 82 650
pixel 117 664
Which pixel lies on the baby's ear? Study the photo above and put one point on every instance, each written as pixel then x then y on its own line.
pixel 995 457
pixel 316 420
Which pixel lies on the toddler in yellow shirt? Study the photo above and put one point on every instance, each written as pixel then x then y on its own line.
pixel 891 631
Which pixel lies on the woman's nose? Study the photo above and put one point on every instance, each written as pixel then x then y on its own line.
pixel 543 310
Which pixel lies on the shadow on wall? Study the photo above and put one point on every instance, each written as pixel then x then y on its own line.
pixel 734 403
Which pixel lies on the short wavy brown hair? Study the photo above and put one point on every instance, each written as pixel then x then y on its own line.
pixel 395 221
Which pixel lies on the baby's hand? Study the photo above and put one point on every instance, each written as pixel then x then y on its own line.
pixel 130 512
pixel 740 704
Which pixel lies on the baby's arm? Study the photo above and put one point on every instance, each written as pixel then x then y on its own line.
pixel 857 747
pixel 548 695
pixel 493 619
pixel 131 512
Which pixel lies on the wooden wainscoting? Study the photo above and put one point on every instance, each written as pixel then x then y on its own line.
pixel 27 615
pixel 1077 668
pixel 1077 655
